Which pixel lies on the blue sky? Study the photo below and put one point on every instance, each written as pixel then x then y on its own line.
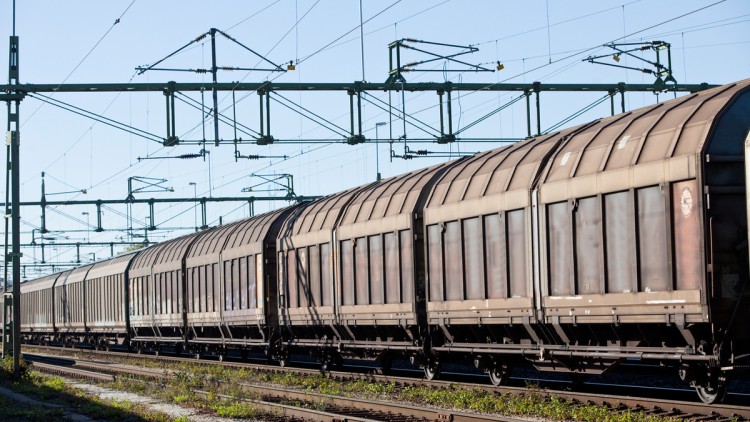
pixel 78 42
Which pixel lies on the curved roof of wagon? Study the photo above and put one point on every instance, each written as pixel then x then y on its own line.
pixel 235 234
pixel 168 251
pixel 320 214
pixel 669 129
pixel 666 130
pixel 45 282
pixel 77 275
pixel 111 266
pixel 393 196
pixel 495 171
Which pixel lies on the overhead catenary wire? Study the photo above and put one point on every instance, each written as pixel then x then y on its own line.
pixel 580 112
pixel 490 114
pixel 389 25
pixel 349 32
pixel 97 117
pixel 84 57
pixel 222 118
pixel 525 72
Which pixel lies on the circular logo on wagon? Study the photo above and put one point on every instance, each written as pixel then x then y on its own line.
pixel 686 201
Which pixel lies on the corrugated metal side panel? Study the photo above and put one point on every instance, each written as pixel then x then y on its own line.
pixel 116 265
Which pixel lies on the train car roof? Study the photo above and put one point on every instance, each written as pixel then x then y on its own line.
pixel 497 171
pixel 116 265
pixel 236 234
pixel 165 251
pixel 76 276
pixel 254 230
pixel 42 283
pixel 663 131
pixel 393 196
pixel 320 214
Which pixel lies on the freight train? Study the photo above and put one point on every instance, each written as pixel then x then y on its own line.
pixel 621 239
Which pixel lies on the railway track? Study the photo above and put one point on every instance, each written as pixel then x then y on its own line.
pixel 289 404
pixel 617 403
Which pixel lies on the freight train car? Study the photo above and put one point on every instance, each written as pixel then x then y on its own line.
pixel 107 316
pixel 240 312
pixel 624 238
pixel 38 309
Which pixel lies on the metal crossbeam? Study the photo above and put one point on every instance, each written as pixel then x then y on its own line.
pixel 17 91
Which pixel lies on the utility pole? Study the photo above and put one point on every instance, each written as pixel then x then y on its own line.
pixel 13 141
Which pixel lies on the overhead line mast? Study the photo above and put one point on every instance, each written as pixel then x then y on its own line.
pixel 13 99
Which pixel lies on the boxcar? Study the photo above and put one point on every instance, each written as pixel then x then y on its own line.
pixel 622 238
pixel 70 306
pixel 37 309
pixel 106 298
pixel 478 224
pixel 307 287
pixel 157 309
pixel 645 223
pixel 377 266
pixel 236 308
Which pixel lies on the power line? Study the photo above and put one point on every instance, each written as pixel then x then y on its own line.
pixel 84 57
pixel 349 32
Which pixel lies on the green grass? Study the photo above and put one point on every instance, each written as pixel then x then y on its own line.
pixel 234 409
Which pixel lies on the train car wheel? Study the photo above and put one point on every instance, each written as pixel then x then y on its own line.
pixel 432 371
pixel 498 374
pixel 712 394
